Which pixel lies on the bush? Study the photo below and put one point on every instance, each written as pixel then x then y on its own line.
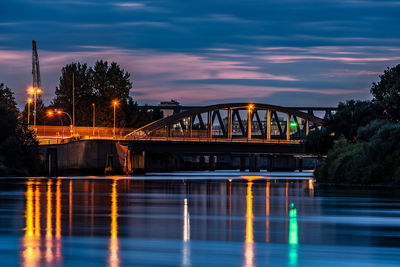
pixel 374 159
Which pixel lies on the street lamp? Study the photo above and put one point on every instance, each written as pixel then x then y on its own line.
pixel 29 108
pixel 94 116
pixel 50 114
pixel 59 112
pixel 115 104
pixel 35 91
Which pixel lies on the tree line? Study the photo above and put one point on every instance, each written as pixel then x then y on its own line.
pixel 19 152
pixel 97 86
pixel 361 140
pixel 94 88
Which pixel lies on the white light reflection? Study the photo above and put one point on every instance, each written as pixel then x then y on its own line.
pixel 186 234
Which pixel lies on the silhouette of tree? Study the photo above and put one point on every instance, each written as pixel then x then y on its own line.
pixel 19 154
pixel 387 92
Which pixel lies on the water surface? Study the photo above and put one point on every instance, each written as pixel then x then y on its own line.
pixel 195 219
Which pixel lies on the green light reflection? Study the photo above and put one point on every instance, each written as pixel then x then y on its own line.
pixel 293 236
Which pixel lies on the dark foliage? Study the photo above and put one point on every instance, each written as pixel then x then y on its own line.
pixel 374 159
pixel 387 92
pixel 19 154
pixel 319 142
pixel 98 87
pixel 352 115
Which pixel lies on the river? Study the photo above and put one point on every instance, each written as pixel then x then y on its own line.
pixel 196 219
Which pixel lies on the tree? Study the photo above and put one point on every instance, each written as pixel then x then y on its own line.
pixel 79 76
pixel 352 115
pixel 19 153
pixel 319 142
pixel 387 92
pixel 99 85
pixel 374 158
pixel 110 83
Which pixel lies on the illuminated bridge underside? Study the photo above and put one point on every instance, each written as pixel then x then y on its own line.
pixel 266 122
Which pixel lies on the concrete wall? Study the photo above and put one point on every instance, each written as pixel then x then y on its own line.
pixel 87 156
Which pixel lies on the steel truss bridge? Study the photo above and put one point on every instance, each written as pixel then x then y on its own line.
pixel 215 124
pixel 234 122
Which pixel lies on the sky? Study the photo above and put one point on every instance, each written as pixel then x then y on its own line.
pixel 286 52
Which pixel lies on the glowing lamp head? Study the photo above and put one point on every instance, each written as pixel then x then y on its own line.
pixel 50 113
pixel 38 90
pixel 251 106
pixel 31 90
pixel 59 112
pixel 115 102
pixel 29 100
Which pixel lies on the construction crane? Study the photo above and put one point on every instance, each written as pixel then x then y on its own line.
pixel 35 66
pixel 36 85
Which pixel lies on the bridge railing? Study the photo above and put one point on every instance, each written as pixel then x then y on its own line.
pixel 65 132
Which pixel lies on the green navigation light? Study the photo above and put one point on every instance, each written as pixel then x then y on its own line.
pixel 293 124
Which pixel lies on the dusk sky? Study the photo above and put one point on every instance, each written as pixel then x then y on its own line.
pixel 286 52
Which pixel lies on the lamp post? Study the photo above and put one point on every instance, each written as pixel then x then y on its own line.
pixel 115 103
pixel 59 112
pixel 35 91
pixel 50 113
pixel 29 108
pixel 94 117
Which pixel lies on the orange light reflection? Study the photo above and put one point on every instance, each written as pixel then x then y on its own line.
pixel 249 243
pixel 114 247
pixel 58 220
pixel 31 253
pixel 267 210
pixel 49 226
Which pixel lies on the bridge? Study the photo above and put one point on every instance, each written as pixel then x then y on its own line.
pixel 237 129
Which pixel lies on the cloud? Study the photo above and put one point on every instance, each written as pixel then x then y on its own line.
pixel 180 48
pixel 130 4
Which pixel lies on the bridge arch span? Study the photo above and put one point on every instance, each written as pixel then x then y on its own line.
pixel 233 110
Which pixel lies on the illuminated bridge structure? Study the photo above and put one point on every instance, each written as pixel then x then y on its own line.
pixel 261 122
pixel 249 135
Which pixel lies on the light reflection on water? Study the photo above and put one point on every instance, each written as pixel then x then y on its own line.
pixel 250 222
pixel 114 257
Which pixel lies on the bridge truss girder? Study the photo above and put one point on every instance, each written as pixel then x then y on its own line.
pixel 184 124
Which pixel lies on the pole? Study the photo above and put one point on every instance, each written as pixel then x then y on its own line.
pixel 29 110
pixel 73 101
pixel 210 124
pixel 229 123
pixel 94 116
pixel 307 127
pixel 249 124
pixel 288 127
pixel 114 122
pixel 191 126
pixel 35 110
pixel 268 124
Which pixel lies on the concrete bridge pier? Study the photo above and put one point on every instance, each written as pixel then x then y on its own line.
pixel 51 162
pixel 211 163
pixel 281 163
pixel 202 163
pixel 254 163
pixel 300 164
pixel 139 162
pixel 242 163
